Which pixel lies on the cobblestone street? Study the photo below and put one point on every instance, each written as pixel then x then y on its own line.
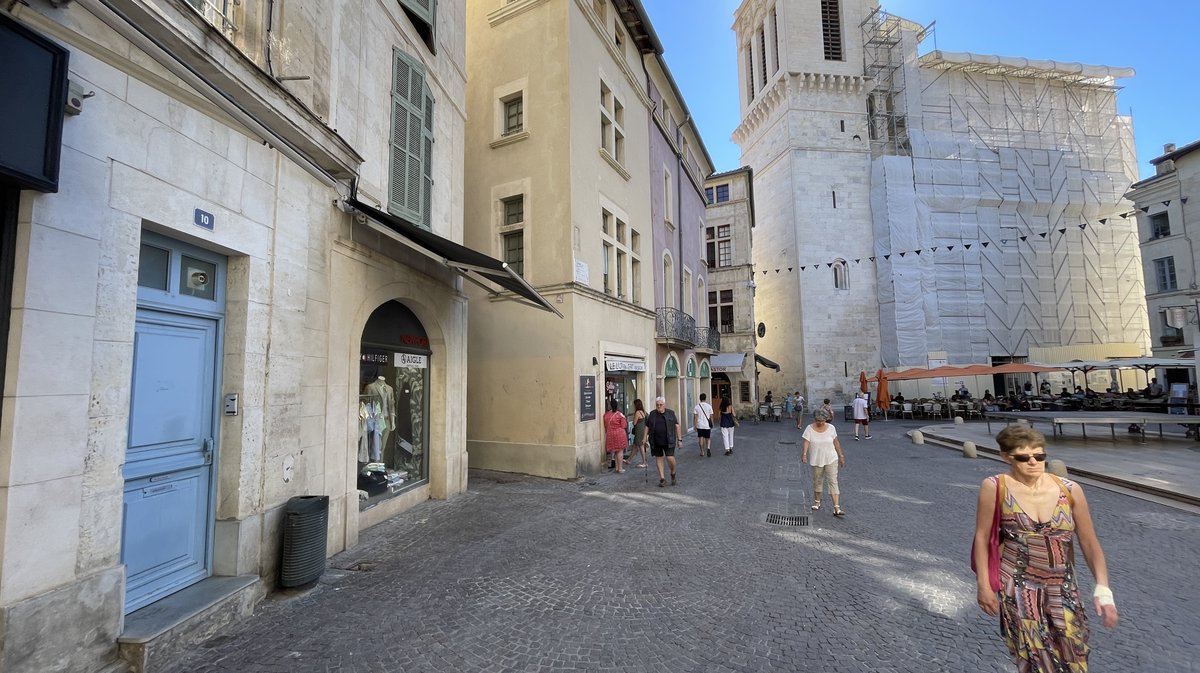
pixel 616 574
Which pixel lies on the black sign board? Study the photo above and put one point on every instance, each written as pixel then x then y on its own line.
pixel 33 77
pixel 587 398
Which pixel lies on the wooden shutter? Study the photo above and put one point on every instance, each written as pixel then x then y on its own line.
pixel 427 157
pixel 423 14
pixel 408 86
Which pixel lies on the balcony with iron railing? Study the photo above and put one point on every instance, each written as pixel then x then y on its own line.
pixel 708 339
pixel 673 327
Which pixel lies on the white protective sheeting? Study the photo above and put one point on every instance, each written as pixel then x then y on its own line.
pixel 1015 66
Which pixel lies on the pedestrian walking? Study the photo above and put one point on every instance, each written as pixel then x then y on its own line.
pixel 787 404
pixel 826 407
pixel 639 432
pixel 702 420
pixel 729 421
pixel 662 426
pixel 616 435
pixel 798 405
pixel 862 416
pixel 1025 524
pixel 823 452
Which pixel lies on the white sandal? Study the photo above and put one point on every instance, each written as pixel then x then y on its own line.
pixel 816 505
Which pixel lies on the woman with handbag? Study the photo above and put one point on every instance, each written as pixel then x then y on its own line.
pixel 728 423
pixel 639 433
pixel 616 435
pixel 1025 526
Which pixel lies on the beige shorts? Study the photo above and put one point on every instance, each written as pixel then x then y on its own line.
pixel 825 472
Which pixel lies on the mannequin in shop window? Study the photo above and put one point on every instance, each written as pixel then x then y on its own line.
pixel 387 399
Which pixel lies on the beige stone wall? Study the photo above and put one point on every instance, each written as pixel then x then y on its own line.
pixel 302 279
pixel 523 392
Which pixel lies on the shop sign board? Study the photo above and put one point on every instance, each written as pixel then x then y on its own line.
pixel 587 398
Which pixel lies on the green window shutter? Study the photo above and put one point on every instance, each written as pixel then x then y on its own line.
pixel 423 14
pixel 404 193
pixel 427 157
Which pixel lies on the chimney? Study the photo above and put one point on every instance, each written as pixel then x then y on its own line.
pixel 1168 148
pixel 1167 166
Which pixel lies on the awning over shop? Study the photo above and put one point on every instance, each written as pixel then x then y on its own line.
pixel 486 272
pixel 765 362
pixel 728 362
pixel 618 364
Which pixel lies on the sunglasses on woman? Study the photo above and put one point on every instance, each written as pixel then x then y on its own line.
pixel 1026 457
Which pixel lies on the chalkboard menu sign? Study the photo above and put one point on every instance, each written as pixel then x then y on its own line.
pixel 587 398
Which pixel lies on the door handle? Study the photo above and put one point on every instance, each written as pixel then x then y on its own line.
pixel 208 450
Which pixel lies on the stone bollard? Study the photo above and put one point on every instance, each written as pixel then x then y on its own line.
pixel 1057 468
pixel 969 450
pixel 918 437
pixel 958 420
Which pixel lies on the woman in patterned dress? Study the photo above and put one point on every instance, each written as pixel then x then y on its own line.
pixel 616 435
pixel 1042 619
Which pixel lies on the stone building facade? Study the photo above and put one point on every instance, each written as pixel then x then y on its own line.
pixel 732 282
pixel 236 295
pixel 947 206
pixel 592 238
pixel 1166 215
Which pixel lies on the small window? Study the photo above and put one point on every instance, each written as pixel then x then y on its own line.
pixel 514 209
pixel 621 227
pixel 423 14
pixel 722 193
pixel 1164 271
pixel 608 251
pixel 153 267
pixel 606 222
pixel 635 275
pixel 621 257
pixel 514 115
pixel 635 242
pixel 514 251
pixel 1160 225
pixel 835 199
pixel 762 49
pixel 749 73
pixel 744 390
pixel 708 195
pixel 601 8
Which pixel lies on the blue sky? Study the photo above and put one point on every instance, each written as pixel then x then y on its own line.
pixel 1155 37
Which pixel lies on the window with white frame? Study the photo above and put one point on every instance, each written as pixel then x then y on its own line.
pixel 1164 272
pixel 668 202
pixel 720 310
pixel 841 275
pixel 1160 225
pixel 410 185
pixel 622 266
pixel 687 290
pixel 512 232
pixel 668 267
pixel 718 246
pixel 612 121
pixel 513 111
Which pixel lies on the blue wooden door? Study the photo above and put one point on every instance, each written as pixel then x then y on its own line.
pixel 168 465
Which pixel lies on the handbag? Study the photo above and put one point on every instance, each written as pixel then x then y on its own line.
pixel 993 568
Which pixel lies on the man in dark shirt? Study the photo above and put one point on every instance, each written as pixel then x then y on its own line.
pixel 662 428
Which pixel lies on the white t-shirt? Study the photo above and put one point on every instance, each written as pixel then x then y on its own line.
pixel 860 408
pixel 820 445
pixel 703 411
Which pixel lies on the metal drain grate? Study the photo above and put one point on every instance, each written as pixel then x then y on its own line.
pixel 781 520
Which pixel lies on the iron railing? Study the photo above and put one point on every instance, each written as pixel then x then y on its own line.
pixel 671 323
pixel 708 338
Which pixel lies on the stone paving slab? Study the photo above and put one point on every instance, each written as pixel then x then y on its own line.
pixel 615 574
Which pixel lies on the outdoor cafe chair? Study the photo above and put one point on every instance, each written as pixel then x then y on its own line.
pixel 907 408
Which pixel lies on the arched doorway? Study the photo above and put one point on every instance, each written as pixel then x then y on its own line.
pixel 671 385
pixel 689 395
pixel 393 404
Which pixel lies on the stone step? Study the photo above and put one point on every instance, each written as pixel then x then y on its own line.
pixel 157 633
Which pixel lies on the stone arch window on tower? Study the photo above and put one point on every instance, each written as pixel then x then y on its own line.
pixel 775 35
pixel 841 275
pixel 749 73
pixel 831 30
pixel 762 50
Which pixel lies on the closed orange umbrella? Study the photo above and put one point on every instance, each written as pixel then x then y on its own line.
pixel 862 381
pixel 883 398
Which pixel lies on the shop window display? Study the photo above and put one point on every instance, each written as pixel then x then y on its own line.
pixel 393 403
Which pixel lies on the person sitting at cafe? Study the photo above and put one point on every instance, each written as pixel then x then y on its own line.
pixel 1132 394
pixel 899 398
pixel 1064 393
pixel 1155 388
pixel 1045 389
pixel 1090 394
pixel 954 397
pixel 1028 389
pixel 1079 394
pixel 987 396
